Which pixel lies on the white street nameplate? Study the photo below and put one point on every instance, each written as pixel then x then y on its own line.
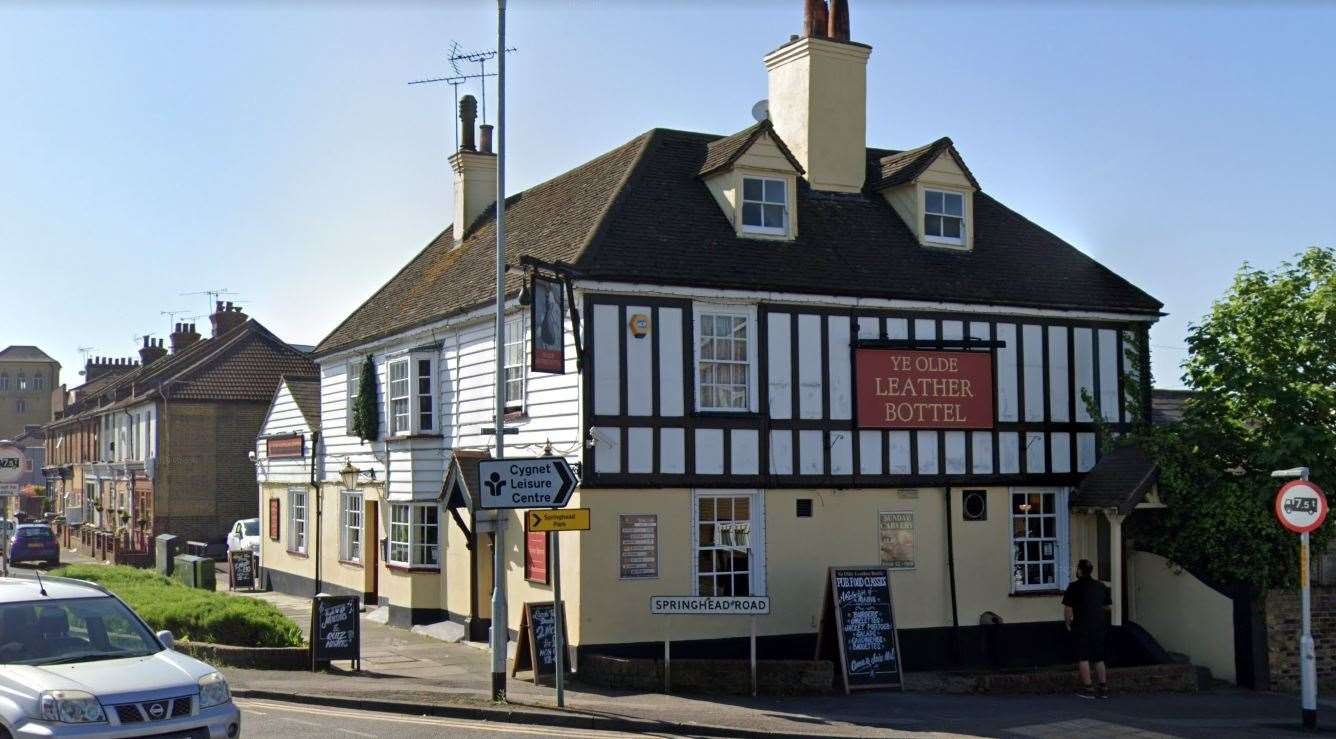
pixel 675 605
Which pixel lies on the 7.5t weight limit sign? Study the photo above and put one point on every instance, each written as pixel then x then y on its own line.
pixel 537 482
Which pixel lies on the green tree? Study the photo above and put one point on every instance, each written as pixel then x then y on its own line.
pixel 1263 366
pixel 366 411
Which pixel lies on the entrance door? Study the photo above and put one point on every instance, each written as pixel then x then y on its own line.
pixel 371 553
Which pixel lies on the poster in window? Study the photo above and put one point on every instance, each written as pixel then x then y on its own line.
pixel 897 539
pixel 548 321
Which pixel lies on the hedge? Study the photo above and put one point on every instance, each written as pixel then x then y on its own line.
pixel 190 613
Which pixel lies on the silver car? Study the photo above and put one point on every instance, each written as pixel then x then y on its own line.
pixel 76 661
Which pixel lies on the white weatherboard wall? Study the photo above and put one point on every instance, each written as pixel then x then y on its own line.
pixel 284 418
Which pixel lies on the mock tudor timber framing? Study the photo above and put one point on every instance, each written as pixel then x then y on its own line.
pixel 922 330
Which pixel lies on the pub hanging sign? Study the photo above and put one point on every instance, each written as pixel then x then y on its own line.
pixel 547 321
pixel 918 389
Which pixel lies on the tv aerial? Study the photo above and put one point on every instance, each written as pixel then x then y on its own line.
pixel 460 76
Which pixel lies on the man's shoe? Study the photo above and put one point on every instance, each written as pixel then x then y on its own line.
pixel 1104 691
pixel 1087 692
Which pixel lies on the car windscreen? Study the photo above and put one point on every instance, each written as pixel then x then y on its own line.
pixel 33 532
pixel 252 528
pixel 65 631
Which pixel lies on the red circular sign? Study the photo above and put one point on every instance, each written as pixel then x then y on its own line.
pixel 1301 506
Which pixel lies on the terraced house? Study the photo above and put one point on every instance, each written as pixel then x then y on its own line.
pixel 794 350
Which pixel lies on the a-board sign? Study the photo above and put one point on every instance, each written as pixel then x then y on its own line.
pixel 537 647
pixel 858 631
pixel 534 482
pixel 336 629
pixel 241 569
pixel 563 519
pixel 700 605
pixel 1301 506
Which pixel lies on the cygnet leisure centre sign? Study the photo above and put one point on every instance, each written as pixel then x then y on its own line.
pixel 540 482
pixel 917 389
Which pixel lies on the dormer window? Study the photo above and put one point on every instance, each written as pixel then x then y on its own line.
pixel 943 217
pixel 764 206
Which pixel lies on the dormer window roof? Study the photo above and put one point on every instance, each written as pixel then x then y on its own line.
pixel 933 192
pixel 754 179
pixel 723 153
pixel 904 167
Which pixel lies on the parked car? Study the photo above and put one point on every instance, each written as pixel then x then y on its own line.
pixel 76 661
pixel 34 542
pixel 245 534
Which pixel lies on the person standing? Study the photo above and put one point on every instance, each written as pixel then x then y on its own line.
pixel 1085 607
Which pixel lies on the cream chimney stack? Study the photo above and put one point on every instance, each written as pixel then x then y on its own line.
pixel 475 171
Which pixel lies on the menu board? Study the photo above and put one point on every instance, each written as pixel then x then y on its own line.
pixel 858 628
pixel 537 647
pixel 639 539
pixel 336 629
pixel 241 569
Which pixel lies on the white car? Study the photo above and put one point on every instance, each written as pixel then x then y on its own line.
pixel 245 534
pixel 76 661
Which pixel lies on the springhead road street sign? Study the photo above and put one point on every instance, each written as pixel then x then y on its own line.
pixel 538 482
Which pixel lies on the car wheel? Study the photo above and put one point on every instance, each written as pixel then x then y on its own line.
pixel 53 563
pixel 4 733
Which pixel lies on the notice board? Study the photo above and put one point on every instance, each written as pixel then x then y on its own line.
pixel 537 647
pixel 336 629
pixel 638 540
pixel 858 629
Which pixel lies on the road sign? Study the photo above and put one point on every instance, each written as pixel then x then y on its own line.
pixel 565 519
pixel 1301 506
pixel 700 605
pixel 11 463
pixel 536 482
pixel 9 489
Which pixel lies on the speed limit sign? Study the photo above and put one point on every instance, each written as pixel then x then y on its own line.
pixel 1301 506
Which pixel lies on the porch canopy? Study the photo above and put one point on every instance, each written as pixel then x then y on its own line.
pixel 459 489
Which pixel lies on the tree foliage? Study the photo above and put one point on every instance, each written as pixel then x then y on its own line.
pixel 1262 364
pixel 366 412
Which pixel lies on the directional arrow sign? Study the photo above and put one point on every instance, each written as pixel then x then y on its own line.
pixel 538 482
pixel 566 519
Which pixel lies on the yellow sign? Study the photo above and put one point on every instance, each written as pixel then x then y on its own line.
pixel 562 519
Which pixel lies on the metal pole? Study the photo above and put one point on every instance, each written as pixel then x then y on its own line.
pixel 667 654
pixel 1307 654
pixel 557 639
pixel 753 655
pixel 500 623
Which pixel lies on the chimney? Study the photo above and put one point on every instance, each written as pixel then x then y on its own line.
pixel 475 171
pixel 226 317
pixel 151 350
pixel 818 98
pixel 183 335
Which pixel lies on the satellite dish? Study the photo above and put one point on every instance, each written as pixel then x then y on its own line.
pixel 761 110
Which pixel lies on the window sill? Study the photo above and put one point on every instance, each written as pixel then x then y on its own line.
pixel 516 417
pixel 351 563
pixel 411 437
pixel 296 553
pixel 1046 593
pixel 412 568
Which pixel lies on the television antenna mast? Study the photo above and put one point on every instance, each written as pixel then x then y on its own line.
pixel 214 295
pixel 171 316
pixel 84 353
pixel 460 76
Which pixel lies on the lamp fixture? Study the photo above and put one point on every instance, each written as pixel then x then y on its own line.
pixel 351 476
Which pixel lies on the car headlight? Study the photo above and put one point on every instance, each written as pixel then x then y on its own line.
pixel 71 707
pixel 213 690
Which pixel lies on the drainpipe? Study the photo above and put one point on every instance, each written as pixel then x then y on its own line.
pixel 319 507
pixel 951 569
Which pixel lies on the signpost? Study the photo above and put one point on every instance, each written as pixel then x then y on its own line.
pixel 701 605
pixel 1301 507
pixel 534 482
pixel 568 519
pixel 11 471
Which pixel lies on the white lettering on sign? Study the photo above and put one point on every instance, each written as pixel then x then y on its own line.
pixel 668 605
pixel 545 482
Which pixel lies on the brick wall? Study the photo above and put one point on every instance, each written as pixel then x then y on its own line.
pixel 1282 637
pixel 205 478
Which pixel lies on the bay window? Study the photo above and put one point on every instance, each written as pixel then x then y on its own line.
pixel 728 535
pixel 414 535
pixel 411 400
pixel 1039 523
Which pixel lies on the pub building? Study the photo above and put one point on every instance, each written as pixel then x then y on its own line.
pixel 781 350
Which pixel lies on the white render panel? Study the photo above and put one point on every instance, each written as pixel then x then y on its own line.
pixel 1034 452
pixel 671 381
pixel 983 452
pixel 1006 373
pixel 1062 451
pixel 870 456
pixel 1009 453
pixel 955 452
pixel 607 364
pixel 672 451
pixel 1085 452
pixel 809 366
pixel 953 330
pixel 745 451
pixel 841 374
pixel 709 451
pixel 811 452
pixel 1032 338
pixel 781 452
pixel 778 333
pixel 640 450
pixel 1059 376
pixel 869 328
pixel 979 330
pixel 897 328
pixel 900 449
pixel 608 451
pixel 1085 371
pixel 841 453
pixel 1108 374
pixel 639 389
pixel 927 452
pixel 925 328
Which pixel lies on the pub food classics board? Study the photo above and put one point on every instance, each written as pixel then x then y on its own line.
pixel 858 630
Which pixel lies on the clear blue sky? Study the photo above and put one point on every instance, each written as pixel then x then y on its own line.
pixel 151 149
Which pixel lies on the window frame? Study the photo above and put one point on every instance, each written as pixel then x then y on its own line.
pixel 391 414
pixel 413 399
pixel 756 574
pixel 353 383
pixel 516 326
pixel 350 551
pixel 1061 540
pixel 412 543
pixel 963 217
pixel 4 381
pixel 297 540
pixel 746 228
pixel 747 312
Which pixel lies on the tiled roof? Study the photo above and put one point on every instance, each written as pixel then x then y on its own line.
pixel 721 153
pixel 641 214
pixel 463 470
pixel 1167 406
pixel 898 168
pixel 24 353
pixel 1119 481
pixel 306 394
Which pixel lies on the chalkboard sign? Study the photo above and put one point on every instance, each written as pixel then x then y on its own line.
pixel 336 629
pixel 858 628
pixel 537 648
pixel 241 570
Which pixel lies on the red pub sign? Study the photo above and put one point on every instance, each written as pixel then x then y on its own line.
pixel 916 389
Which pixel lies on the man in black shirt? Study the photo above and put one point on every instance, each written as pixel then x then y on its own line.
pixel 1084 607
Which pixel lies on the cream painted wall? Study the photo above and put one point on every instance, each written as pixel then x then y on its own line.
pixel 274 555
pixel 1184 614
pixel 475 187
